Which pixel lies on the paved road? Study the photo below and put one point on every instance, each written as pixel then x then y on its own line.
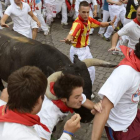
pixel 99 49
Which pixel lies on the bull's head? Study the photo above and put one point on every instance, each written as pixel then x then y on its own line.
pixel 79 68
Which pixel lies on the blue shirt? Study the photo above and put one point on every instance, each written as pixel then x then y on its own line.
pixel 105 6
pixel 37 1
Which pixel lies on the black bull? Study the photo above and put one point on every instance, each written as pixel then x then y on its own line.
pixel 17 51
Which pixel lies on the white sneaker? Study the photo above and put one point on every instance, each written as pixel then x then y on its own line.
pixel 64 23
pixel 117 53
pixel 46 32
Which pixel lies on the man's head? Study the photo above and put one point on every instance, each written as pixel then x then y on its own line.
pixel 137 49
pixel 138 13
pixel 69 89
pixel 17 2
pixel 26 89
pixel 84 10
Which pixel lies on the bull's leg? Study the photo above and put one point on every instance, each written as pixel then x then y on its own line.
pixel 1 85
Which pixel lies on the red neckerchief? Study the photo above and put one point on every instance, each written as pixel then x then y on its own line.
pixel 130 58
pixel 80 19
pixel 136 21
pixel 27 119
pixel 59 103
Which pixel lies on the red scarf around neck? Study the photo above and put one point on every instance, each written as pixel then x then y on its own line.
pixel 130 58
pixel 61 105
pixel 136 21
pixel 80 19
pixel 27 119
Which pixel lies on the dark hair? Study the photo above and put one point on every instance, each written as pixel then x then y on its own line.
pixel 137 49
pixel 65 84
pixel 83 3
pixel 25 86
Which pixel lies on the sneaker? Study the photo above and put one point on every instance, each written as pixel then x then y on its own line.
pixel 117 53
pixel 101 35
pixel 107 39
pixel 64 23
pixel 46 32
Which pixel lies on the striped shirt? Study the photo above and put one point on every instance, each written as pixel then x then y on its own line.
pixel 80 31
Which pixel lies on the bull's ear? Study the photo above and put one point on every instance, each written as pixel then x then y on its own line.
pixel 76 59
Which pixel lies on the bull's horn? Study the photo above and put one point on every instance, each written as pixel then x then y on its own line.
pixel 97 62
pixel 52 78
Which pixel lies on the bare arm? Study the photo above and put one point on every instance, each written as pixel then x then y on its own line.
pixel 91 105
pixel 115 38
pixel 100 119
pixel 34 18
pixel 3 20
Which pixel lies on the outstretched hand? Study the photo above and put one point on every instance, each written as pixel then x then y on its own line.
pixel 68 41
pixel 4 25
pixel 113 49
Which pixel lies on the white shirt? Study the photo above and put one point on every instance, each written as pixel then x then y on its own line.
pixel 122 88
pixel 50 115
pixel 132 30
pixel 20 18
pixel 15 131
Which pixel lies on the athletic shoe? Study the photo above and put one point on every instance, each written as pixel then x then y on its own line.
pixel 117 53
pixel 46 32
pixel 101 35
pixel 64 23
pixel 107 39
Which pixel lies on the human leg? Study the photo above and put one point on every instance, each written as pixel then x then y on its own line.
pixel 44 26
pixel 64 14
pixel 113 11
pixel 83 53
pixel 105 19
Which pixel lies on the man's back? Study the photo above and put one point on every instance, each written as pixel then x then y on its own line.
pixel 15 131
pixel 122 88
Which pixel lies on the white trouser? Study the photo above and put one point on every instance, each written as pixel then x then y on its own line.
pixel 61 6
pixel 105 19
pixel 1 14
pixel 119 12
pixel 123 40
pixel 83 53
pixel 40 17
pixel 50 12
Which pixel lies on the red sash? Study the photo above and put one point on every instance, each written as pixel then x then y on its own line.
pixel 61 105
pixel 136 21
pixel 130 58
pixel 7 115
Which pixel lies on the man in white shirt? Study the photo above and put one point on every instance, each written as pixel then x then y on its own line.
pixel 67 91
pixel 19 12
pixel 120 93
pixel 24 100
pixel 132 30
